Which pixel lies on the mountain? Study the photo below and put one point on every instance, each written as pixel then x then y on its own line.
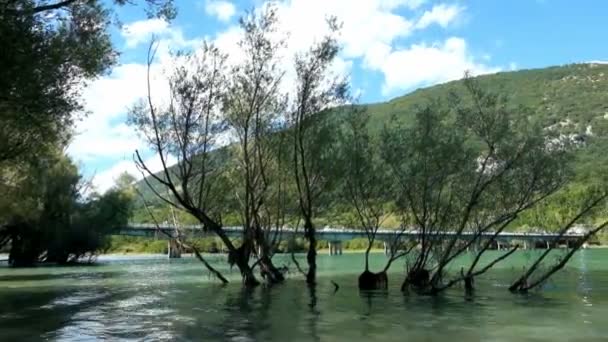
pixel 574 96
pixel 571 98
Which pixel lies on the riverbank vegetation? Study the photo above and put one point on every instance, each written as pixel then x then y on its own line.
pixel 145 245
pixel 51 50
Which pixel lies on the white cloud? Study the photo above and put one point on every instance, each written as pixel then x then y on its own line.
pixel 103 133
pixel 107 100
pixel 422 64
pixel 441 14
pixel 222 10
pixel 374 34
pixel 106 179
pixel 365 27
pixel 103 136
pixel 410 4
pixel 142 31
pixel 364 24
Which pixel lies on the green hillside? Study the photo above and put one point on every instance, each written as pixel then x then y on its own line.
pixel 571 98
pixel 577 92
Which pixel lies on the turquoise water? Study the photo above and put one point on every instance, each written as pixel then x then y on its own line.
pixel 152 298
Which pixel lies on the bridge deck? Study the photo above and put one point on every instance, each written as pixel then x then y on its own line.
pixel 343 234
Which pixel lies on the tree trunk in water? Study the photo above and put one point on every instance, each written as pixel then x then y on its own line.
pixel 241 260
pixel 269 272
pixel 25 245
pixel 373 281
pixel 419 279
pixel 311 256
pixel 57 257
pixel 249 279
pixel 240 257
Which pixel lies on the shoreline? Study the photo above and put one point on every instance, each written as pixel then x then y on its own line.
pixel 325 251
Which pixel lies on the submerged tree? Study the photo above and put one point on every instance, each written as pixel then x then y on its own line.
pixel 252 107
pixel 464 176
pixel 52 49
pixel 187 129
pixel 314 131
pixel 209 100
pixel 366 186
pixel 534 276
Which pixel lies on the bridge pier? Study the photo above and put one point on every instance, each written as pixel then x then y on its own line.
pixel 174 250
pixel 497 245
pixel 335 247
pixel 387 249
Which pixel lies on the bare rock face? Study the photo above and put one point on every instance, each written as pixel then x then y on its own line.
pixel 373 281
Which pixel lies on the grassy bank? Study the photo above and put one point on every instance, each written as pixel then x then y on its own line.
pixel 142 245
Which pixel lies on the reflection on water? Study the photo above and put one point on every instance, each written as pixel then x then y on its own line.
pixel 158 299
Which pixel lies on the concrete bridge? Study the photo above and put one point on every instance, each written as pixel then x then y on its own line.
pixel 335 236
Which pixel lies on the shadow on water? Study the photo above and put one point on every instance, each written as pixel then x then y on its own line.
pixel 370 298
pixel 260 314
pixel 26 315
pixel 240 322
pixel 153 301
pixel 59 276
pixel 314 314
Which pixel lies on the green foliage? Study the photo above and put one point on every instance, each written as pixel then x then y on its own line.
pixel 135 245
pixel 50 220
pixel 45 59
pixel 551 101
pixel 50 50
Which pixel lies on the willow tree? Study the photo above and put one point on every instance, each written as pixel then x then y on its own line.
pixel 187 128
pixel 253 103
pixel 464 173
pixel 312 121
pixel 366 187
pixel 537 273
pixel 51 49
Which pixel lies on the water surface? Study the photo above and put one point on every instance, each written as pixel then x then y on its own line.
pixel 152 298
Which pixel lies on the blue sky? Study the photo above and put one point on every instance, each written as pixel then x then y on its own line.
pixel 390 47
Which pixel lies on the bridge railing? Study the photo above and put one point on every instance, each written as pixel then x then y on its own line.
pixel 380 232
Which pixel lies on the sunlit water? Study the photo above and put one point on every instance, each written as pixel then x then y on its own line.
pixel 154 298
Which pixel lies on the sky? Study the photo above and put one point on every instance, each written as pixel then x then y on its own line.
pixel 389 48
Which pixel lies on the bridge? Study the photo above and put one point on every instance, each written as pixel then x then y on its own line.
pixel 335 236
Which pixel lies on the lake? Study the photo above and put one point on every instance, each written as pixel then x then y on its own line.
pixel 152 298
